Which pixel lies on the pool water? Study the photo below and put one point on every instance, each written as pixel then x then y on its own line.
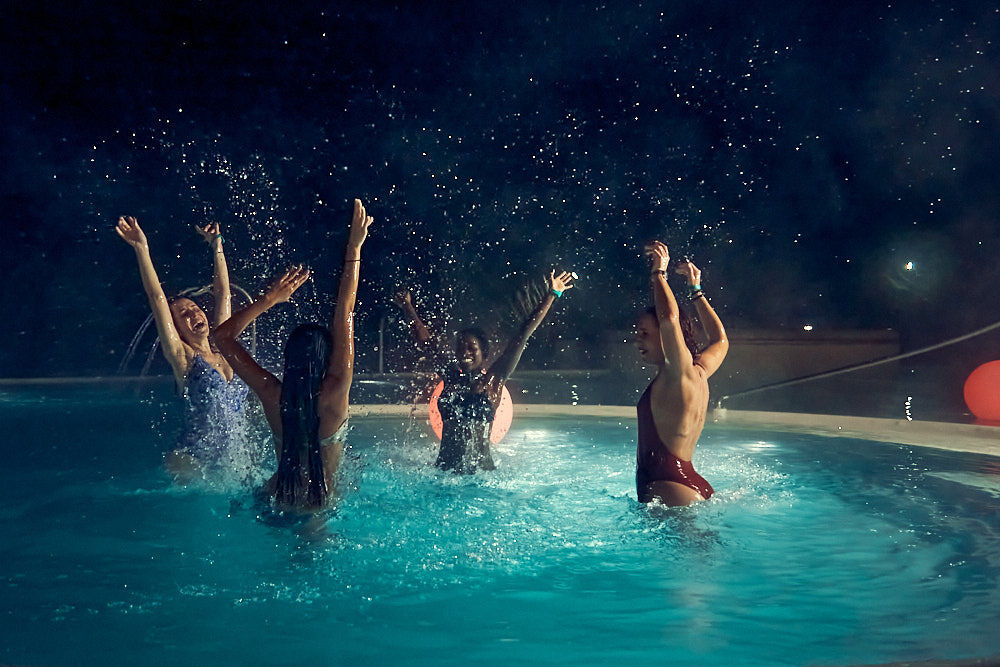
pixel 813 550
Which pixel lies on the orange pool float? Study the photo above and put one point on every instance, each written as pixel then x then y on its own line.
pixel 501 420
pixel 982 391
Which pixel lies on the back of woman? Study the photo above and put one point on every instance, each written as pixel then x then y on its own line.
pixel 308 408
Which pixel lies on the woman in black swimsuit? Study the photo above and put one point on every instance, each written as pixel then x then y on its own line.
pixel 473 387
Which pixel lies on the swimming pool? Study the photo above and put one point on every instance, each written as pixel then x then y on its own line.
pixel 813 550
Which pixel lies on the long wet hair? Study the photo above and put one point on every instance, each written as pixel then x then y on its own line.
pixel 307 354
pixel 687 329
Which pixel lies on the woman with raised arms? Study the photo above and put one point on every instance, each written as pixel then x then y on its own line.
pixel 672 410
pixel 213 440
pixel 307 409
pixel 472 384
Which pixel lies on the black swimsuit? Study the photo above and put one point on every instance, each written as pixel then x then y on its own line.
pixel 467 416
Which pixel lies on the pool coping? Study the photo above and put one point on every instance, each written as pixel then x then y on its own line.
pixel 971 438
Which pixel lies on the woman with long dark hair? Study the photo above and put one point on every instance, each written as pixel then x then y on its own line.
pixel 308 408
pixel 213 440
pixel 672 410
pixel 473 384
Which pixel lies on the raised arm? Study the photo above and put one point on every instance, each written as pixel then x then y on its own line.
pixel 220 278
pixel 341 369
pixel 718 345
pixel 226 337
pixel 668 313
pixel 507 362
pixel 173 347
pixel 404 299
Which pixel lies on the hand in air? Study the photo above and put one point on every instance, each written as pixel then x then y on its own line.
pixel 284 286
pixel 209 232
pixel 402 298
pixel 562 282
pixel 690 272
pixel 659 256
pixel 359 225
pixel 128 228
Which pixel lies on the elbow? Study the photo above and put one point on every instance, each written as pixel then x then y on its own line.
pixel 223 335
pixel 670 318
pixel 723 343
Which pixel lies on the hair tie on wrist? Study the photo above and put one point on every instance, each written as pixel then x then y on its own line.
pixel 218 237
pixel 558 293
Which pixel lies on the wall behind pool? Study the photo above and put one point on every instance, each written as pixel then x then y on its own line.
pixel 924 387
pixel 608 372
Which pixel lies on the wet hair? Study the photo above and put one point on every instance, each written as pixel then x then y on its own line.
pixel 479 335
pixel 307 354
pixel 687 328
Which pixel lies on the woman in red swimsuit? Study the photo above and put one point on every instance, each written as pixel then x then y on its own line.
pixel 672 410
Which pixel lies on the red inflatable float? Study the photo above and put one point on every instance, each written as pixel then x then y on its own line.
pixel 982 391
pixel 501 420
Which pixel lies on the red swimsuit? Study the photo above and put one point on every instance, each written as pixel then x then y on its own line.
pixel 655 463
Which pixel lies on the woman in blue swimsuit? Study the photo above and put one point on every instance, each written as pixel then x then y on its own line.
pixel 308 408
pixel 213 439
pixel 473 386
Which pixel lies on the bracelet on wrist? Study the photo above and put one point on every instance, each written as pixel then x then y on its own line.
pixel 558 293
pixel 695 288
pixel 219 238
pixel 694 296
pixel 658 272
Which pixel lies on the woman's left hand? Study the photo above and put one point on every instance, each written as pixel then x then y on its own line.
pixel 658 254
pixel 284 286
pixel 209 232
pixel 561 283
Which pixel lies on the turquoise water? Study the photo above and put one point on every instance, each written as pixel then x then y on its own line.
pixel 813 551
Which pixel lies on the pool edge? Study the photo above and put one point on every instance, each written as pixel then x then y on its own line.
pixel 971 438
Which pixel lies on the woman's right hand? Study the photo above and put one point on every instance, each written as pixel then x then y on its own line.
pixel 690 272
pixel 284 286
pixel 403 298
pixel 360 222
pixel 128 228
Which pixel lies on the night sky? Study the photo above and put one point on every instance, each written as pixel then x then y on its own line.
pixel 831 164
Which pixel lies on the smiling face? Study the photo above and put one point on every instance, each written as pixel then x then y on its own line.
pixel 647 339
pixel 469 350
pixel 189 320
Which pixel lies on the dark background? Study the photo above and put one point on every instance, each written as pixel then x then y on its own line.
pixel 801 153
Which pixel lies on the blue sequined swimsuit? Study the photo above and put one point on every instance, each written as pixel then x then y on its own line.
pixel 214 416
